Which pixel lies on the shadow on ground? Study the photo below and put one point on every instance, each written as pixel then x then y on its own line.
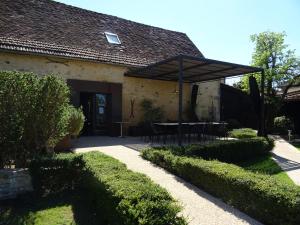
pixel 136 143
pixel 286 164
pixel 218 202
pixel 62 208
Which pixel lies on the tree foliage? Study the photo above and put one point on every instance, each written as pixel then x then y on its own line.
pixel 282 70
pixel 33 115
pixel 279 62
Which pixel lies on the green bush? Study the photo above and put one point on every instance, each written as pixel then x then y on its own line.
pixel 260 196
pixel 243 133
pixel 282 124
pixel 119 195
pixel 150 112
pixel 56 173
pixel 76 121
pixel 231 151
pixel 33 115
pixel 127 196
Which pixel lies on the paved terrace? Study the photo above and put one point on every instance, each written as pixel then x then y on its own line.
pixel 199 207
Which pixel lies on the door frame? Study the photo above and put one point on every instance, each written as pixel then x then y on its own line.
pixel 112 89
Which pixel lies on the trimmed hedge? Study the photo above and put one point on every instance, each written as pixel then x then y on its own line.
pixel 258 195
pixel 122 197
pixel 231 151
pixel 243 133
pixel 57 173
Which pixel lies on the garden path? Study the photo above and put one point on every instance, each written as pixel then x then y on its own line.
pixel 199 207
pixel 288 158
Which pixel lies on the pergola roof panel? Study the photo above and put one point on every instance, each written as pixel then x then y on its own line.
pixel 194 69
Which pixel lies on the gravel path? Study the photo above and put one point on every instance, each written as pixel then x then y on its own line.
pixel 199 207
pixel 288 158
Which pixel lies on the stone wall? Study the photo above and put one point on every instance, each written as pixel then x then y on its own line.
pixel 67 68
pixel 163 93
pixel 208 101
pixel 14 182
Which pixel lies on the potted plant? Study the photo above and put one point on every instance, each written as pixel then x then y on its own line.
pixel 75 125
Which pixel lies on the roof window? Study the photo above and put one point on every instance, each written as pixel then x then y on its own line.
pixel 112 38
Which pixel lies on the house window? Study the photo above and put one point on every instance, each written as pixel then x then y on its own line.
pixel 112 38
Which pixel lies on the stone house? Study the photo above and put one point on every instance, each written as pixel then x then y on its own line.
pixel 93 52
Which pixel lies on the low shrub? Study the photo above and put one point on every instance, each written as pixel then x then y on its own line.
pixel 127 196
pixel 243 133
pixel 231 151
pixel 282 124
pixel 119 195
pixel 151 113
pixel 76 121
pixel 56 173
pixel 259 195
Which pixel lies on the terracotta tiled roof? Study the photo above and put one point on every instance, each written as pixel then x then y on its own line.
pixel 52 28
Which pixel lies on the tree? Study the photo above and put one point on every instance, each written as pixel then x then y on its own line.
pixel 238 84
pixel 280 63
pixel 282 68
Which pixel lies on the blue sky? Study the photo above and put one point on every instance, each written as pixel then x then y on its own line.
pixel 219 28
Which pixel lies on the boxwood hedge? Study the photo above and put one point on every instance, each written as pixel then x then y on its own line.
pixel 231 151
pixel 121 197
pixel 57 173
pixel 258 195
pixel 242 133
pixel 128 196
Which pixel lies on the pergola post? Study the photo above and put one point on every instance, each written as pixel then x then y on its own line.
pixel 262 105
pixel 180 82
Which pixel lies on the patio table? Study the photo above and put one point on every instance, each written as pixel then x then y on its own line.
pixel 189 123
pixel 202 125
pixel 121 127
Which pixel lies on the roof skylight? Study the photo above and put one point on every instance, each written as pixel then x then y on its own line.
pixel 112 38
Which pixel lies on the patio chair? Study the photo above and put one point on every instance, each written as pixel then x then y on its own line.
pixel 222 131
pixel 210 132
pixel 186 132
pixel 158 133
pixel 198 130
pixel 146 132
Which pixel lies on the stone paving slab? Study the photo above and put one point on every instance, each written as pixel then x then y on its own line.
pixel 288 158
pixel 199 207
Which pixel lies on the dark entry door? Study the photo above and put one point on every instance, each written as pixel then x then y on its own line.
pixel 96 108
pixel 102 115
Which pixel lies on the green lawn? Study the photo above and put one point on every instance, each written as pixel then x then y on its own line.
pixel 62 209
pixel 267 165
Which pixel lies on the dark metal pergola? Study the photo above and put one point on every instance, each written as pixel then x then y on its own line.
pixel 191 69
